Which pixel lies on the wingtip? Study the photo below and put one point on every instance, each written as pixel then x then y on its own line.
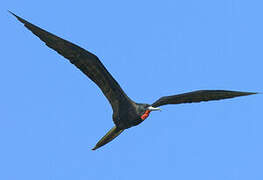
pixel 243 93
pixel 251 93
pixel 248 93
pixel 12 13
pixel 19 18
pixel 93 149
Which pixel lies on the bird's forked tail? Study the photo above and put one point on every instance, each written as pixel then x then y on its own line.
pixel 111 134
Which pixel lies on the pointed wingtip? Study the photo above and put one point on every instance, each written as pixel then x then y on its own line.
pixel 93 149
pixel 247 93
pixel 12 13
pixel 19 18
pixel 251 93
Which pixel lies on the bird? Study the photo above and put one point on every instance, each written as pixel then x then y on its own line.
pixel 126 112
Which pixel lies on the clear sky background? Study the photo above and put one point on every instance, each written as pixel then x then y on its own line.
pixel 52 114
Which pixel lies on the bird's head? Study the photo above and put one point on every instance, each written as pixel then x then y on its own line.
pixel 145 109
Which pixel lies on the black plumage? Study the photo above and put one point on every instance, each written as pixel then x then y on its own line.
pixel 126 113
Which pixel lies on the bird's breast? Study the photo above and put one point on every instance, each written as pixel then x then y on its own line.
pixel 129 117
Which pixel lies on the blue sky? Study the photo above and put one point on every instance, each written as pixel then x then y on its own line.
pixel 52 114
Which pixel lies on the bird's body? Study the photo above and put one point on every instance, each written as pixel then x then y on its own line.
pixel 126 112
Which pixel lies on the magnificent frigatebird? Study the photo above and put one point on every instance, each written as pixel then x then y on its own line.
pixel 126 112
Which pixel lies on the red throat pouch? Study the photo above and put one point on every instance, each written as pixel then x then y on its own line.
pixel 145 115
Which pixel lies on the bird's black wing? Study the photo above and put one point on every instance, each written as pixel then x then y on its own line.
pixel 87 62
pixel 198 96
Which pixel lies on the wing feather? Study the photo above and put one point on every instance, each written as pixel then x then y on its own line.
pixel 198 96
pixel 87 62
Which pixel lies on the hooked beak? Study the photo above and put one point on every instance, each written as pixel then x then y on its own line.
pixel 153 108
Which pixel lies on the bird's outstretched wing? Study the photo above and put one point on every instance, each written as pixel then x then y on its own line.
pixel 87 62
pixel 198 96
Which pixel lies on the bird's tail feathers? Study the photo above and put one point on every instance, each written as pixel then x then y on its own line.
pixel 111 134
